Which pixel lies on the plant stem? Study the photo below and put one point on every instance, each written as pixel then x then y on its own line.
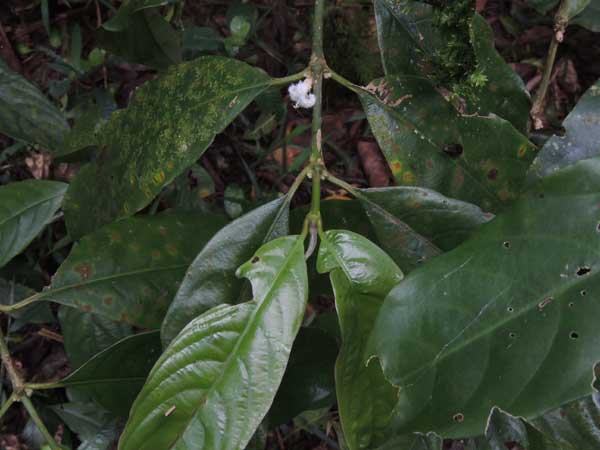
pixel 7 404
pixel 317 67
pixel 13 375
pixel 289 78
pixel 39 423
pixel 561 20
pixel 15 306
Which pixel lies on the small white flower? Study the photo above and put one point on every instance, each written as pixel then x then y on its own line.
pixel 300 94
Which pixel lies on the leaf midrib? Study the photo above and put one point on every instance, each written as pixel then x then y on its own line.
pixel 28 207
pixel 227 363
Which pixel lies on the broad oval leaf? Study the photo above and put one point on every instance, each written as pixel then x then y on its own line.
pixel 215 382
pixel 26 207
pixel 492 322
pixel 26 114
pixel 129 271
pixel 211 280
pixel 482 160
pixel 167 126
pixel 361 275
pixel 114 376
pixel 581 139
pixel 415 224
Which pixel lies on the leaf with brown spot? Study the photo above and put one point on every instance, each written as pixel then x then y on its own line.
pixel 139 286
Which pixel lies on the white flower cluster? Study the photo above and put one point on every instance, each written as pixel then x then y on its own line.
pixel 300 94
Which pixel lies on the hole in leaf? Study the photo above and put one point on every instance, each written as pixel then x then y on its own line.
pixel 459 417
pixel 510 309
pixel 512 335
pixel 574 335
pixel 492 174
pixel 571 304
pixel 598 227
pixel 453 150
pixel 583 292
pixel 506 244
pixel 255 260
pixel 583 270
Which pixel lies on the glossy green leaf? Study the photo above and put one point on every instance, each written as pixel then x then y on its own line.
pixel 492 322
pixel 581 139
pixel 408 41
pixel 129 271
pixel 308 382
pixel 114 376
pixel 26 207
pixel 146 39
pixel 215 382
pixel 87 334
pixel 211 280
pixel 95 428
pixel 415 441
pixel 26 114
pixel 481 160
pixel 441 222
pixel 361 275
pixel 168 125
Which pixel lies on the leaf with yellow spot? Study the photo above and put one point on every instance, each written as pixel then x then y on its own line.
pixel 168 125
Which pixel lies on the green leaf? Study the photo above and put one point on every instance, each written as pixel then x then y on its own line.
pixel 26 207
pixel 168 125
pixel 407 37
pixel 414 224
pixel 37 313
pixel 211 280
pixel 408 41
pixel 129 271
pixel 572 7
pixel 198 40
pixel 589 18
pixel 115 376
pixel 361 275
pixel 426 142
pixel 146 39
pixel 85 132
pixel 504 93
pixel 429 441
pixel 580 141
pixel 215 382
pixel 309 381
pixel 95 428
pixel 26 114
pixel 492 322
pixel 86 334
pixel 122 19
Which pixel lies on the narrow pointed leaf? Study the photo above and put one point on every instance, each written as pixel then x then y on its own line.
pixel 215 382
pixel 521 295
pixel 129 271
pixel 482 160
pixel 26 114
pixel 26 207
pixel 114 376
pixel 361 275
pixel 415 224
pixel 168 125
pixel 581 139
pixel 211 280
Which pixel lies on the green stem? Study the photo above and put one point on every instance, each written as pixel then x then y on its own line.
pixel 289 79
pixel 561 21
pixel 346 186
pixel 343 81
pixel 317 67
pixel 40 424
pixel 13 375
pixel 21 304
pixel 7 404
